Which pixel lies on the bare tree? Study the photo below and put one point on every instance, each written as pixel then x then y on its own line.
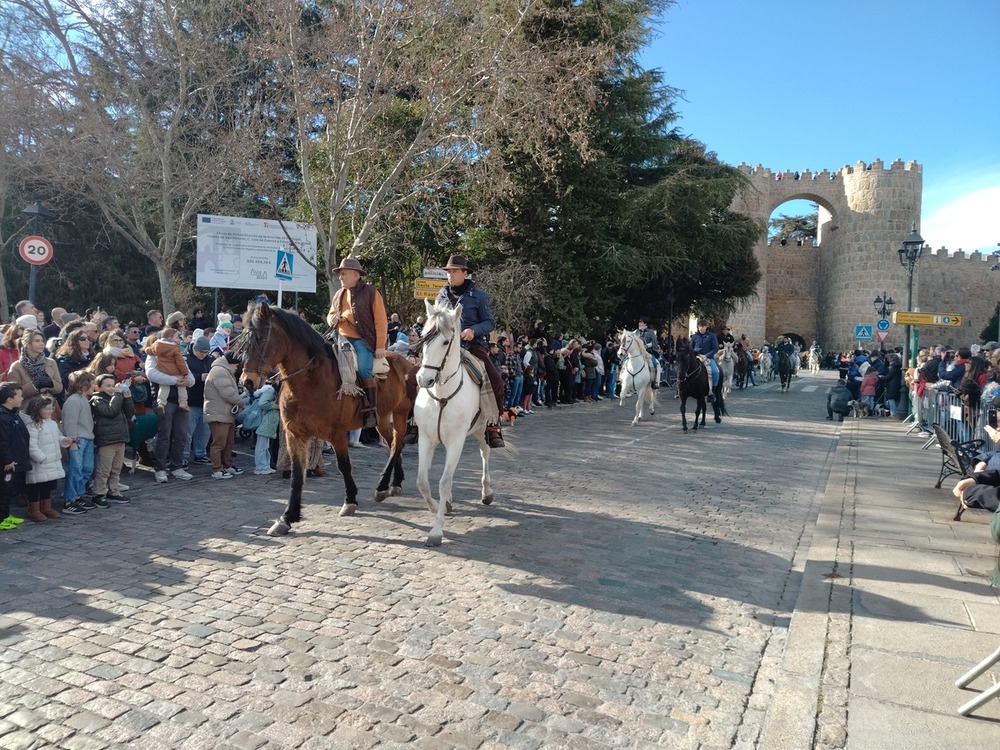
pixel 146 117
pixel 391 104
pixel 516 292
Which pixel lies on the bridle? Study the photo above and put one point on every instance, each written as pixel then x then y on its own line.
pixel 443 400
pixel 253 343
pixel 438 368
pixel 691 372
pixel 626 346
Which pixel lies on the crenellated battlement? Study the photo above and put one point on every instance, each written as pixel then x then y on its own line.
pixel 944 255
pixel 762 172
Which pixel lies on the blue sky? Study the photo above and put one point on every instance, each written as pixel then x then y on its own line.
pixel 799 84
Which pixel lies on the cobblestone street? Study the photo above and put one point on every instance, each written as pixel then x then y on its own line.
pixel 629 587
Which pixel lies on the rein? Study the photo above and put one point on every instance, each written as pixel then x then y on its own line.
pixel 278 379
pixel 628 348
pixel 460 370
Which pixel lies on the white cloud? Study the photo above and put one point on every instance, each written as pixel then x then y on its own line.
pixel 969 222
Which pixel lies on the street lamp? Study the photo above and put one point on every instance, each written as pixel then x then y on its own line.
pixel 36 211
pixel 883 305
pixel 909 254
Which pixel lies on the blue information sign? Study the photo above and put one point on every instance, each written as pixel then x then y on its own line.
pixel 283 265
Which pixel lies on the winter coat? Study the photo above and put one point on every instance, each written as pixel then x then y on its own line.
pixel 476 312
pixel 222 393
pixel 45 449
pixel 267 397
pixel 68 364
pixel 8 356
pixel 169 359
pixel 18 374
pixel 13 440
pixel 197 368
pixel 111 416
pixel 78 417
pixel 126 363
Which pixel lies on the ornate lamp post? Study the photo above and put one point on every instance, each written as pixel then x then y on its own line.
pixel 884 305
pixel 909 254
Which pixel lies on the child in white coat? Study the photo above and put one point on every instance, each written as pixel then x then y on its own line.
pixel 45 445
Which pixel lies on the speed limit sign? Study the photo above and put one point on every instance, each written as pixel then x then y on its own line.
pixel 35 250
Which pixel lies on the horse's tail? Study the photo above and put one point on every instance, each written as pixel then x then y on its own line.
pixel 720 401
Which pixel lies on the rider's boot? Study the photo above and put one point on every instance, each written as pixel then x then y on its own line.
pixel 493 436
pixel 656 376
pixel 368 410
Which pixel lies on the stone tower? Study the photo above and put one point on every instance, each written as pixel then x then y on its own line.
pixel 823 291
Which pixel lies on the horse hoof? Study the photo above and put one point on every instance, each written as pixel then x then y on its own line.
pixel 434 540
pixel 718 420
pixel 685 429
pixel 278 528
pixel 488 499
pixel 381 495
pixel 348 509
pixel 448 510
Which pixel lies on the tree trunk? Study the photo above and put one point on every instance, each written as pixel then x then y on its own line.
pixel 163 273
pixel 5 315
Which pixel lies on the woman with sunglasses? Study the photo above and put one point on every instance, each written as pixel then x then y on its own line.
pixel 74 354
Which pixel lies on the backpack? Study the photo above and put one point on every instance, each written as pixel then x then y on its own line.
pixel 251 417
pixel 929 370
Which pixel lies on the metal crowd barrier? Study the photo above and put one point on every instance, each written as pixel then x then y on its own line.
pixel 946 409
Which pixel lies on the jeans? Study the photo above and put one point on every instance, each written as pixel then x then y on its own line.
pixel 595 388
pixel 891 404
pixel 516 386
pixel 262 454
pixel 79 470
pixel 199 432
pixel 612 381
pixel 366 358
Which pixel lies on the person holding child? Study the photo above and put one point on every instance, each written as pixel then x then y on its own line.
pixel 78 425
pixel 165 346
pixel 45 445
pixel 113 408
pixel 14 455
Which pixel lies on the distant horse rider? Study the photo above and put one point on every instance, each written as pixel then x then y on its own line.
pixel 705 343
pixel 477 323
pixel 648 336
pixel 357 312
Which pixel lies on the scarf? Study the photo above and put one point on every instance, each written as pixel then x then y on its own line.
pixel 36 366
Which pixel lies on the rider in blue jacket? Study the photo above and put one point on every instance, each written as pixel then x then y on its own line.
pixel 705 342
pixel 477 323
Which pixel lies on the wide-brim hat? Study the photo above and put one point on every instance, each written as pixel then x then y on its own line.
pixel 456 263
pixel 350 264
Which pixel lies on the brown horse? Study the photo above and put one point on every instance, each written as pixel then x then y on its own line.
pixel 743 365
pixel 310 404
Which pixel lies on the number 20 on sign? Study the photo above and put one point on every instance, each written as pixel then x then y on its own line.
pixel 35 250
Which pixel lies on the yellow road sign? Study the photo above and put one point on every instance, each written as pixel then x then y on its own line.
pixel 927 319
pixel 427 288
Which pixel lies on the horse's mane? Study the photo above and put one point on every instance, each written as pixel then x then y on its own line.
pixel 646 356
pixel 439 320
pixel 296 328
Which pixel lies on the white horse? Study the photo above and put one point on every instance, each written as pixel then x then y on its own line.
pixel 766 366
pixel 637 373
pixel 813 361
pixel 446 410
pixel 726 359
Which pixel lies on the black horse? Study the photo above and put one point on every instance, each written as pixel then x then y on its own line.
pixel 693 381
pixel 785 369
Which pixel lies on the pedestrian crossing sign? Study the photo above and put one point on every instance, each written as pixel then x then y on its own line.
pixel 863 333
pixel 283 265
